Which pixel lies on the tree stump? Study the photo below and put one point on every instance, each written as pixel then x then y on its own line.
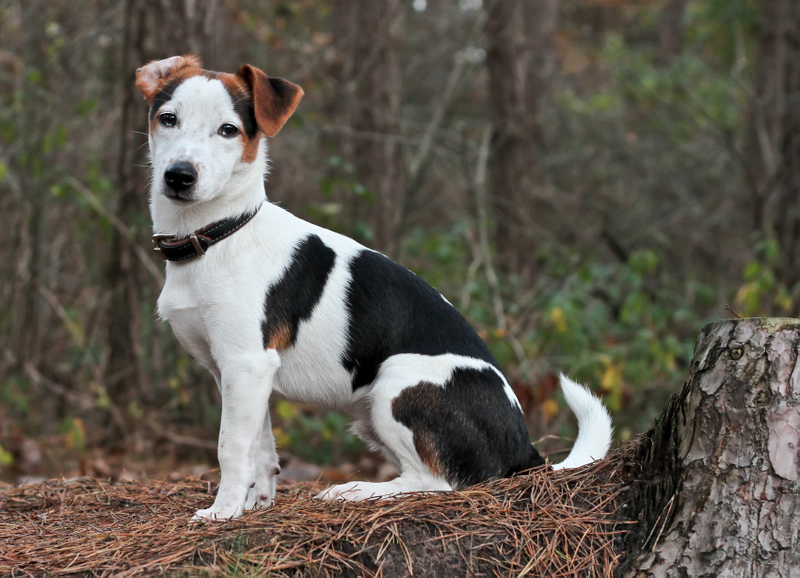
pixel 718 493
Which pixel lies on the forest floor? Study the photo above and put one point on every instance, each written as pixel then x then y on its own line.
pixel 543 523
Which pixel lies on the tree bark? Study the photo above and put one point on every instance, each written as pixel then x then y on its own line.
pixel 375 97
pixel 125 366
pixel 670 30
pixel 787 213
pixel 510 158
pixel 762 146
pixel 719 482
pixel 521 60
pixel 541 23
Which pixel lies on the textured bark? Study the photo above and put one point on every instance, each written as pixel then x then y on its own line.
pixel 670 30
pixel 787 214
pixel 719 486
pixel 512 140
pixel 374 93
pixel 765 131
pixel 125 357
pixel 541 24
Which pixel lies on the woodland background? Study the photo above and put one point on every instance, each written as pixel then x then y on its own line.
pixel 588 181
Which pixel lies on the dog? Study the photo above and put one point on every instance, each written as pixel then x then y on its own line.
pixel 268 302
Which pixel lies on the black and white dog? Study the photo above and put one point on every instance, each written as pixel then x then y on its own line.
pixel 266 301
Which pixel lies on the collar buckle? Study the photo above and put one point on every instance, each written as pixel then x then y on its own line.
pixel 196 244
pixel 161 237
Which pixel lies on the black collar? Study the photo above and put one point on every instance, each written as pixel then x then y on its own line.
pixel 172 249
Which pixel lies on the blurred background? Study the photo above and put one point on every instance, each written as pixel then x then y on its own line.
pixel 588 181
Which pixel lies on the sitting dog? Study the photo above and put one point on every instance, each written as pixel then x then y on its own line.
pixel 266 301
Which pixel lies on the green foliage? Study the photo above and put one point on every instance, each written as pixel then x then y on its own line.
pixel 762 293
pixel 614 325
pixel 15 397
pixel 318 436
pixel 74 432
pixel 6 457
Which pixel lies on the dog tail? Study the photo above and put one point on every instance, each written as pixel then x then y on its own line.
pixel 594 425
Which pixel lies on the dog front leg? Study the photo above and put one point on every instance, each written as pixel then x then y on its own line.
pixel 246 387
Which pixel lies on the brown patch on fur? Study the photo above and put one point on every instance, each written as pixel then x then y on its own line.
pixel 424 444
pixel 249 147
pixel 153 76
pixel 240 92
pixel 281 338
pixel 274 99
pixel 425 395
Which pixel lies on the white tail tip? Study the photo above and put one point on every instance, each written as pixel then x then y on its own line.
pixel 594 425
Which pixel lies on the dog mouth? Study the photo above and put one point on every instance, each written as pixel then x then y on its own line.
pixel 185 196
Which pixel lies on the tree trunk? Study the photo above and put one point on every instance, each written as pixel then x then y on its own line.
pixel 787 213
pixel 374 93
pixel 541 23
pixel 520 58
pixel 764 130
pixel 125 377
pixel 670 30
pixel 717 493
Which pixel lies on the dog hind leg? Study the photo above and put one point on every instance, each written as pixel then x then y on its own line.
pixel 458 425
pixel 265 458
pixel 418 473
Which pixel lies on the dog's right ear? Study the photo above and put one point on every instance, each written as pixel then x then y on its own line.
pixel 274 99
pixel 152 77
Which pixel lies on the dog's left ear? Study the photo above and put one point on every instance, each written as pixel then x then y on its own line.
pixel 274 99
pixel 152 77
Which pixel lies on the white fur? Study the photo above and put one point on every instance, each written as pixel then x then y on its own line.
pixel 225 185
pixel 594 425
pixel 215 305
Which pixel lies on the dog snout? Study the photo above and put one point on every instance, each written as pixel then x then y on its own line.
pixel 180 177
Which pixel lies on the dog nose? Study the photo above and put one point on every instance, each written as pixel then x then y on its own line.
pixel 180 176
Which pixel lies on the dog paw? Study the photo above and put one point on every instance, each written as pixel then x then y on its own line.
pixel 350 492
pixel 260 497
pixel 262 493
pixel 216 514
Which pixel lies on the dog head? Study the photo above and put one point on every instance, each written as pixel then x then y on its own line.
pixel 207 128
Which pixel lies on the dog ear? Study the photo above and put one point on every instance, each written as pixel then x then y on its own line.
pixel 152 77
pixel 274 99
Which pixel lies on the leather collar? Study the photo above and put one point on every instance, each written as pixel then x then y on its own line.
pixel 196 244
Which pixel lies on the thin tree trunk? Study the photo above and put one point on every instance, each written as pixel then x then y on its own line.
pixel 541 23
pixel 375 98
pixel 512 143
pixel 787 214
pixel 125 366
pixel 33 180
pixel 670 30
pixel 187 26
pixel 716 486
pixel 765 130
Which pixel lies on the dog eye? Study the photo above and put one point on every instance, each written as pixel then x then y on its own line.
pixel 228 130
pixel 167 119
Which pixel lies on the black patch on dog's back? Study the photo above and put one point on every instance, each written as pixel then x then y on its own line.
pixel 467 431
pixel 393 311
pixel 293 298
